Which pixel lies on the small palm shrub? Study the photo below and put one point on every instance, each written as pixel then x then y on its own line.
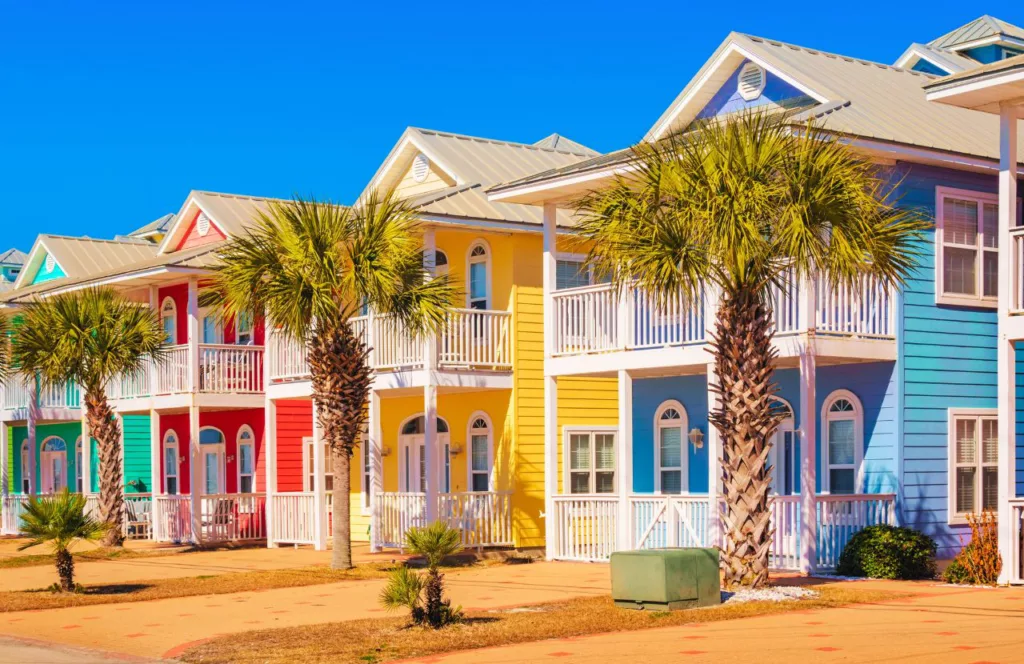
pixel 979 562
pixel 888 552
pixel 423 595
pixel 61 520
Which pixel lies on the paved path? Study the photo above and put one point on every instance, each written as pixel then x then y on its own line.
pixel 179 565
pixel 165 627
pixel 941 624
pixel 34 652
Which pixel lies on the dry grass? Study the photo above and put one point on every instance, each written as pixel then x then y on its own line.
pixel 90 556
pixel 379 640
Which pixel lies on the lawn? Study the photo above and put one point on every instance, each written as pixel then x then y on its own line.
pixel 92 555
pixel 378 640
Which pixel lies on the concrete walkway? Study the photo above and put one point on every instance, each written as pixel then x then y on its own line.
pixel 35 652
pixel 179 565
pixel 166 627
pixel 940 624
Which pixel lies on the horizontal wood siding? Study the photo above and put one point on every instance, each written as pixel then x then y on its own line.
pixel 294 422
pixel 648 395
pixel 138 474
pixel 528 416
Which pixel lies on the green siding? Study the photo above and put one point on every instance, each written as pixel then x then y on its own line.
pixel 67 431
pixel 137 454
pixel 43 275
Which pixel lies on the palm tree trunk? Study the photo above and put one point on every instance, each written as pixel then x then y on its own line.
pixel 65 570
pixel 106 429
pixel 341 378
pixel 746 422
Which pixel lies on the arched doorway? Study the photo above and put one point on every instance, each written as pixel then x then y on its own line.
pixel 412 460
pixel 53 465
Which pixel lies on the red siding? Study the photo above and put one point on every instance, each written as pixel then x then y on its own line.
pixel 194 239
pixel 294 422
pixel 229 422
pixel 179 293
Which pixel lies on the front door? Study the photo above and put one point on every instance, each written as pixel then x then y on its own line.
pixel 213 470
pixel 54 467
pixel 412 466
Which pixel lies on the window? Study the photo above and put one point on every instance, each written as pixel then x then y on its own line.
pixel 169 319
pixel 974 462
pixel 843 445
pixel 571 271
pixel 786 453
pixel 26 470
pixel 309 464
pixel 591 461
pixel 670 455
pixel 78 465
pixel 212 329
pixel 244 330
pixel 480 453
pixel 967 268
pixel 246 460
pixel 171 463
pixel 440 263
pixel 478 277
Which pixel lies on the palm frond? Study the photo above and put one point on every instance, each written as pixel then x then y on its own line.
pixel 434 542
pixel 60 520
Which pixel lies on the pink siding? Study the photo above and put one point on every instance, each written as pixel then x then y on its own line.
pixel 194 239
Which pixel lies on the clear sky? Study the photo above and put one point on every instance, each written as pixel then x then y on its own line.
pixel 110 112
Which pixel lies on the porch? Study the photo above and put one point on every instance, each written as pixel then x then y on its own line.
pixel 138 514
pixel 587 527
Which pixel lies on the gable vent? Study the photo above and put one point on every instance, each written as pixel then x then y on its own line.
pixel 50 263
pixel 203 224
pixel 420 167
pixel 751 81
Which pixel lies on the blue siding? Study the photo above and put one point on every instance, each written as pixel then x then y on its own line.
pixel 776 93
pixel 928 68
pixel 985 54
pixel 948 355
pixel 43 275
pixel 648 394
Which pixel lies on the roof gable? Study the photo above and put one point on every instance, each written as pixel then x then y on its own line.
pixel 982 29
pixel 48 269
pixel 200 231
pixel 776 94
pixel 228 215
pixel 56 257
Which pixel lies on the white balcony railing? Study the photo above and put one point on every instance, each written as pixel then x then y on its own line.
pixel 476 338
pixel 225 368
pixel 17 393
pixel 172 372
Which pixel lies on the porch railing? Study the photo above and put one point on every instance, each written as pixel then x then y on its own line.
pixel 395 513
pixel 137 513
pixel 476 338
pixel 293 516
pixel 1017 259
pixel 17 393
pixel 841 517
pixel 10 520
pixel 233 517
pixel 1017 525
pixel 229 369
pixel 585 527
pixel 172 519
pixel 134 385
pixel 483 517
pixel 668 521
pixel 172 373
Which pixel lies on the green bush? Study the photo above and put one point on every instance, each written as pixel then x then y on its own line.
pixel 888 552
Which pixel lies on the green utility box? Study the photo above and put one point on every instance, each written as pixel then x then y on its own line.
pixel 665 579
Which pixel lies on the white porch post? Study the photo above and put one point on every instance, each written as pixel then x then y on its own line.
pixel 30 436
pixel 374 444
pixel 270 466
pixel 624 456
pixel 156 483
pixel 550 386
pixel 193 335
pixel 430 395
pixel 319 490
pixel 711 296
pixel 808 461
pixel 195 466
pixel 1008 547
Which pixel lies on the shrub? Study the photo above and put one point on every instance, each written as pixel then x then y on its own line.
pixel 61 520
pixel 888 552
pixel 978 562
pixel 424 595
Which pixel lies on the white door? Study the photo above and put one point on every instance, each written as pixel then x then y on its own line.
pixel 412 465
pixel 54 467
pixel 213 470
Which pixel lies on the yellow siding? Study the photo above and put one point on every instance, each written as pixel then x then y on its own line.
pixel 435 180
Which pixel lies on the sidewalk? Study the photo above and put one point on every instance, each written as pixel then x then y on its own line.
pixel 180 565
pixel 941 623
pixel 162 628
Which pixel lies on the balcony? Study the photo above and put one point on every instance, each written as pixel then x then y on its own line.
pixel 593 321
pixel 18 395
pixel 222 369
pixel 469 339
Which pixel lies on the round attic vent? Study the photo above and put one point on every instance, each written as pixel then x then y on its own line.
pixel 203 224
pixel 420 167
pixel 751 81
pixel 50 263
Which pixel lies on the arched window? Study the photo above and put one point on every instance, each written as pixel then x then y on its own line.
pixel 169 319
pixel 413 459
pixel 417 425
pixel 171 463
pixel 246 459
pixel 54 444
pixel 440 263
pixel 481 452
pixel 478 276
pixel 785 452
pixel 843 427
pixel 26 470
pixel 670 458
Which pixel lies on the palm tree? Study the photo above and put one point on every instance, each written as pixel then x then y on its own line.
pixel 89 338
pixel 405 588
pixel 61 520
pixel 742 205
pixel 310 267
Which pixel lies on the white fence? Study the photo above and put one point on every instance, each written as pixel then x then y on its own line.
pixel 483 517
pixel 585 527
pixel 668 521
pixel 394 514
pixel 233 517
pixel 293 517
pixel 841 517
pixel 476 338
pixel 137 514
pixel 863 310
pixel 586 320
pixel 229 369
pixel 10 519
pixel 172 519
pixel 17 393
pixel 172 372
pixel 288 358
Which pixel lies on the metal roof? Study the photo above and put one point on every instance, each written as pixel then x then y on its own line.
pixel 980 28
pixel 13 257
pixel 559 142
pixel 82 256
pixel 983 71
pixel 160 225
pixel 951 61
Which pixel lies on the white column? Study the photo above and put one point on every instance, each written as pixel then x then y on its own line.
pixel 33 410
pixel 319 490
pixel 430 395
pixel 156 483
pixel 270 466
pixel 808 461
pixel 154 305
pixel 550 387
pixel 195 465
pixel 1008 546
pixel 374 444
pixel 86 454
pixel 193 335
pixel 624 460
pixel 711 296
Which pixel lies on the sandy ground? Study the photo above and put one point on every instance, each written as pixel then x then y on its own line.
pixel 165 627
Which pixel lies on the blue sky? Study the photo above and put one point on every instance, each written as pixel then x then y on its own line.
pixel 110 112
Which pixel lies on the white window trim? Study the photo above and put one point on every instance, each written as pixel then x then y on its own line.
pixel 365 477
pixel 566 470
pixel 978 300
pixel 953 518
pixel 684 453
pixel 307 476
pixel 174 314
pixel 788 424
pixel 486 260
pixel 858 439
pixel 470 432
pixel 177 464
pixel 238 457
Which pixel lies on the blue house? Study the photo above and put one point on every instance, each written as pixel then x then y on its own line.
pixel 11 263
pixel 892 397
